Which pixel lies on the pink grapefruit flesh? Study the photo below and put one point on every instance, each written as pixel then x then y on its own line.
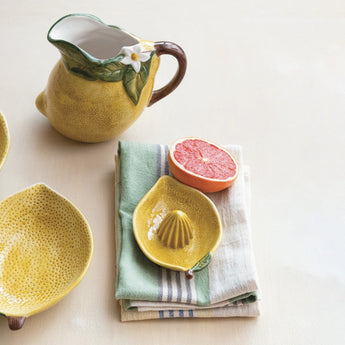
pixel 202 164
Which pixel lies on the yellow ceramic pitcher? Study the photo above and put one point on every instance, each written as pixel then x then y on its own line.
pixel 104 78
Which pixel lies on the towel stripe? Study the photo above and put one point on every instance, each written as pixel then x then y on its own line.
pixel 160 273
pixel 159 159
pixel 172 286
pixel 165 284
pixel 169 299
pixel 178 287
pixel 166 171
pixel 163 159
pixel 166 274
pixel 189 291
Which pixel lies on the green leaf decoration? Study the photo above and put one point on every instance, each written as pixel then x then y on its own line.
pixel 74 60
pixel 83 65
pixel 202 263
pixel 113 71
pixel 134 82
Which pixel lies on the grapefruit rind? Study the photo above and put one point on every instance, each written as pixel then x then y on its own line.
pixel 204 184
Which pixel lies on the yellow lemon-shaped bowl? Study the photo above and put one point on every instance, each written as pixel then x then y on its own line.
pixel 177 227
pixel 46 248
pixel 4 140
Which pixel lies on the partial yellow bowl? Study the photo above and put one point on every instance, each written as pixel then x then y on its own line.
pixel 165 198
pixel 4 140
pixel 46 248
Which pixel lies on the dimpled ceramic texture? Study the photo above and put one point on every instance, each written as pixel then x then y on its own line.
pixel 168 195
pixel 4 140
pixel 91 111
pixel 46 248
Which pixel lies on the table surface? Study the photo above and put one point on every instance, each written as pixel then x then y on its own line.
pixel 268 75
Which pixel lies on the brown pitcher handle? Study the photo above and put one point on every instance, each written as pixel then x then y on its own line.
pixel 170 48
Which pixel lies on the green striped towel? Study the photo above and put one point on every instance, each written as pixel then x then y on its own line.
pixel 227 287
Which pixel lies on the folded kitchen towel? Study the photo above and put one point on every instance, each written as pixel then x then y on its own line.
pixel 227 287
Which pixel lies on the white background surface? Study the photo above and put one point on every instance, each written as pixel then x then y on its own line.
pixel 269 75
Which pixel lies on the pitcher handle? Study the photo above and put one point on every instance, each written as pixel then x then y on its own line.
pixel 170 48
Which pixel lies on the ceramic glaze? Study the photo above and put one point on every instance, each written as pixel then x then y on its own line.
pixel 46 247
pixel 92 36
pixel 176 230
pixel 4 140
pixel 104 79
pixel 177 207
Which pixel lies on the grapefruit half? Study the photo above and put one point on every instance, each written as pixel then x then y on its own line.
pixel 202 164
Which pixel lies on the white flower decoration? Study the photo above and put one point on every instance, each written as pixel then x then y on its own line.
pixel 134 55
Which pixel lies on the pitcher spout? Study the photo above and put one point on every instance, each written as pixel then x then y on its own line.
pixel 90 36
pixel 94 50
